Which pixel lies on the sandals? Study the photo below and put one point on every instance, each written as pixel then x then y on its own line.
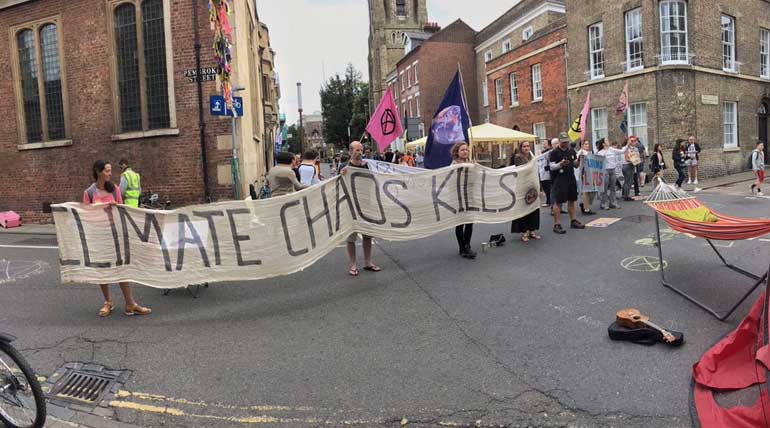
pixel 535 236
pixel 353 272
pixel 106 309
pixel 137 310
pixel 524 237
pixel 372 268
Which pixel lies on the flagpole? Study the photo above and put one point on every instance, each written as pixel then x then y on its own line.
pixel 465 104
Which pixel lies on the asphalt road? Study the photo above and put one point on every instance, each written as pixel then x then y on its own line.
pixel 517 337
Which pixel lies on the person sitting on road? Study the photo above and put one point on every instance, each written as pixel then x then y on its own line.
pixel 103 191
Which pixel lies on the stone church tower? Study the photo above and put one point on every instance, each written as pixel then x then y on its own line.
pixel 388 20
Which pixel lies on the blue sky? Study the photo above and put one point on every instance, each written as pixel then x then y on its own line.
pixel 313 38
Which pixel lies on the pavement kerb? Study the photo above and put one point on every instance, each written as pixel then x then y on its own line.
pixel 48 229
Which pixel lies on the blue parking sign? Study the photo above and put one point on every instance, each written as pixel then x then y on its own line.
pixel 217 106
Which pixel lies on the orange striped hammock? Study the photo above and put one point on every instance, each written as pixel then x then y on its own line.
pixel 725 228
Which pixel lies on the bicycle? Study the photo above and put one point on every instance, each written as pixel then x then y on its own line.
pixel 22 404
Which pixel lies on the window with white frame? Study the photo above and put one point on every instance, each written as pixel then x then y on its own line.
pixel 598 124
pixel 637 122
pixel 539 130
pixel 403 107
pixel 514 89
pixel 401 78
pixel 499 94
pixel 596 50
pixel 673 32
pixel 506 45
pixel 728 43
pixel 414 67
pixel 417 104
pixel 634 45
pixel 409 103
pixel 487 56
pixel 730 124
pixel 409 77
pixel 484 94
pixel 537 83
pixel 527 33
pixel 764 53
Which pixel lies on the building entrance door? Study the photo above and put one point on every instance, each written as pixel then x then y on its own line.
pixel 762 121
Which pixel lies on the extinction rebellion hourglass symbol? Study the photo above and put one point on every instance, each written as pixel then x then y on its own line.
pixel 388 122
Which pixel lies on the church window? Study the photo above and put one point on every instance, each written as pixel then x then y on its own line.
pixel 400 7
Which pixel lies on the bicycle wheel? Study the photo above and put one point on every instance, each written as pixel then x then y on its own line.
pixel 21 400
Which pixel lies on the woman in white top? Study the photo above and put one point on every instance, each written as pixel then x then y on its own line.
pixel 463 232
pixel 307 170
pixel 611 162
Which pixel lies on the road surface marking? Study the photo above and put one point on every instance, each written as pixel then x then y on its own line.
pixel 642 264
pixel 44 247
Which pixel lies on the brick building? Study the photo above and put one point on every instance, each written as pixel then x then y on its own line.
pixel 422 76
pixel 692 67
pixel 524 46
pixel 111 79
pixel 388 21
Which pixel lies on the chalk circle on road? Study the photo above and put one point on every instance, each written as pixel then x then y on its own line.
pixel 12 270
pixel 642 264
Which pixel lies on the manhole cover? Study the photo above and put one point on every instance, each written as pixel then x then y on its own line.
pixel 639 218
pixel 84 383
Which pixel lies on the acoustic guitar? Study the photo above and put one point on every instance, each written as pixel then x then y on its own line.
pixel 632 318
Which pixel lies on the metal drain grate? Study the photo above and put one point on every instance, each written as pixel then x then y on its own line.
pixel 83 386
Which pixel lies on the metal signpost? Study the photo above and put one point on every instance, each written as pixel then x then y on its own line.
pixel 217 107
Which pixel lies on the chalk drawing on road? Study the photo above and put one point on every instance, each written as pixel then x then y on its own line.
pixel 665 235
pixel 13 270
pixel 642 264
pixel 716 244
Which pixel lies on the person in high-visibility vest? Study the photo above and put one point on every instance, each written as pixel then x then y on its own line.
pixel 130 184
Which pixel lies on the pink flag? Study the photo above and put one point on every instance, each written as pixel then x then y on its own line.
pixel 385 125
pixel 578 128
pixel 622 102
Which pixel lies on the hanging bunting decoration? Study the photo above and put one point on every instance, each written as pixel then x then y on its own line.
pixel 218 12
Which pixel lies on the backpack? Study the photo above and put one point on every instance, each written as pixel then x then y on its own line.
pixel 750 163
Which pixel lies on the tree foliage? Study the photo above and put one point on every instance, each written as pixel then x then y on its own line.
pixel 344 103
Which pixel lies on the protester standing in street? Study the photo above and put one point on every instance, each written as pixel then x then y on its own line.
pixel 308 174
pixel 587 197
pixel 608 196
pixel 658 163
pixel 544 171
pixel 528 224
pixel 693 157
pixel 419 160
pixel 640 175
pixel 463 232
pixel 356 151
pixel 758 167
pixel 281 178
pixel 630 160
pixel 103 191
pixel 130 184
pixel 562 162
pixel 678 156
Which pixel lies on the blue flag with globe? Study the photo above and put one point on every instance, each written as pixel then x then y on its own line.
pixel 449 125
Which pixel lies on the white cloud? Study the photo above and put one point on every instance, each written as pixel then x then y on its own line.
pixel 316 37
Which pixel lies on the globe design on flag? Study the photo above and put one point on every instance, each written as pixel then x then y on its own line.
pixel 447 127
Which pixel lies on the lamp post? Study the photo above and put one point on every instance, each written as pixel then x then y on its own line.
pixel 299 108
pixel 234 162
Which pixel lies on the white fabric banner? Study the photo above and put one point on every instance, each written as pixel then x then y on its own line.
pixel 248 240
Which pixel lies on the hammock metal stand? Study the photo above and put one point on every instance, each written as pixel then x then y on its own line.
pixel 713 312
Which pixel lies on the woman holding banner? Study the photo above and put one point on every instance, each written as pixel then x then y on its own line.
pixel 103 192
pixel 528 224
pixel 463 232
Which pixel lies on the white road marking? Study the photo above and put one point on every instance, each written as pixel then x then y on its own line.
pixel 44 247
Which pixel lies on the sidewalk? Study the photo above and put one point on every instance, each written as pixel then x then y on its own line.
pixel 48 229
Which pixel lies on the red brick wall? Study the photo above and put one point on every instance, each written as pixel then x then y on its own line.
pixel 170 166
pixel 438 64
pixel 553 108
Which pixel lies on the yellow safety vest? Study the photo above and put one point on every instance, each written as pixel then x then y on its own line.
pixel 131 197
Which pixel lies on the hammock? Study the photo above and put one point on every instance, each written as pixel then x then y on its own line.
pixel 684 213
pixel 667 201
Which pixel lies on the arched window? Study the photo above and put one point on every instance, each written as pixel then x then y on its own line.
pixel 400 7
pixel 393 37
pixel 141 72
pixel 41 94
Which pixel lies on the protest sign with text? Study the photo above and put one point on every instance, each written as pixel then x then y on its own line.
pixel 592 173
pixel 248 240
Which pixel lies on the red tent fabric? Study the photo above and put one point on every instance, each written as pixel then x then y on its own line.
pixel 738 361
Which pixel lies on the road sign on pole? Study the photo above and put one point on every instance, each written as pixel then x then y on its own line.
pixel 217 106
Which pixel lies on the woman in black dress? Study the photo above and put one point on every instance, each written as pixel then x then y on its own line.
pixel 658 162
pixel 528 224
